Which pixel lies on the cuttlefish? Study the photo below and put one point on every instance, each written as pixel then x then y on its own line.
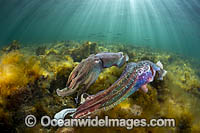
pixel 87 72
pixel 134 77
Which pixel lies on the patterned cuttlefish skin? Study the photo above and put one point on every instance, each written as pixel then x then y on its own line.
pixel 87 72
pixel 135 76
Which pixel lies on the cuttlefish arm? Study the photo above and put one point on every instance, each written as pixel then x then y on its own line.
pixel 135 76
pixel 83 74
pixel 87 72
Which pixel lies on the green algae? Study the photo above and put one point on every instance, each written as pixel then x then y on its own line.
pixel 177 96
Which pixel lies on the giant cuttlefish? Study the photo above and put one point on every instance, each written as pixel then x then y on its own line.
pixel 87 72
pixel 135 76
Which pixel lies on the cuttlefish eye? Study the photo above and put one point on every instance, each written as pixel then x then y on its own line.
pixel 96 61
pixel 139 71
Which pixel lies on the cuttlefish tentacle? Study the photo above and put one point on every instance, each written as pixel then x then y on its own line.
pixel 89 69
pixel 135 76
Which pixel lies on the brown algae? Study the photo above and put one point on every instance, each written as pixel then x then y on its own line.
pixel 29 79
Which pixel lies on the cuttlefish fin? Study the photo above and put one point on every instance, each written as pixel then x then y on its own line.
pixel 144 88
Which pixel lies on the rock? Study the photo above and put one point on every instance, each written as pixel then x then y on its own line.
pixel 13 46
pixel 40 50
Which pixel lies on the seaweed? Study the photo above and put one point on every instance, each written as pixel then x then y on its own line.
pixel 14 45
pixel 28 84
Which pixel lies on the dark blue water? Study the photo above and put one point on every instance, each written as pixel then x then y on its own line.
pixel 172 25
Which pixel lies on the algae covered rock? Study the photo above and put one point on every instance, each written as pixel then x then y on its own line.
pixel 83 51
pixel 17 71
pixel 12 46
pixel 41 50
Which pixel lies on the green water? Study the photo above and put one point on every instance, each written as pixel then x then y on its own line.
pixel 171 25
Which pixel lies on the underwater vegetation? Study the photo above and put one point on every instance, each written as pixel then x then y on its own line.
pixel 17 71
pixel 29 77
pixel 13 46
